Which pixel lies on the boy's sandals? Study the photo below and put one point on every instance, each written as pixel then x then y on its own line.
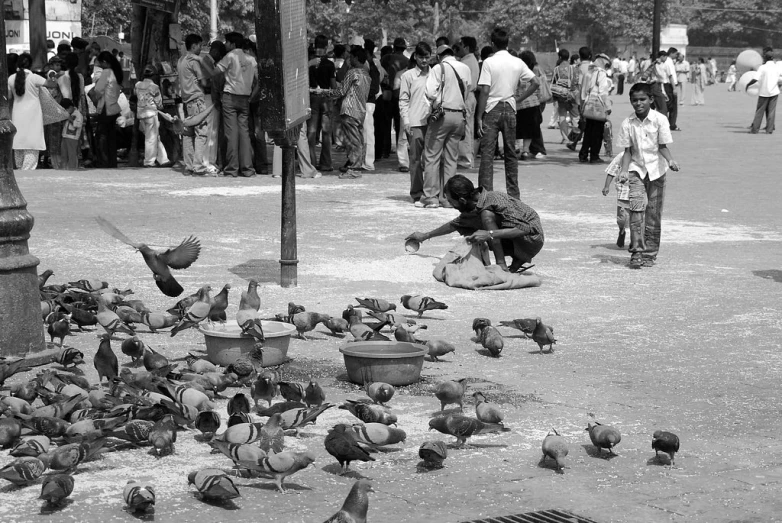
pixel 350 174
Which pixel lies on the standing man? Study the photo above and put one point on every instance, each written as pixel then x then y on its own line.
pixel 632 69
pixel 376 76
pixel 190 76
pixel 414 108
pixel 395 64
pixel 670 90
pixel 661 78
pixel 620 75
pixel 768 93
pixel 594 81
pixel 496 110
pixel 447 86
pixel 239 72
pixel 465 51
pixel 322 76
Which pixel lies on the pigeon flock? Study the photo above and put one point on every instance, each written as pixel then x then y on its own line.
pixel 57 420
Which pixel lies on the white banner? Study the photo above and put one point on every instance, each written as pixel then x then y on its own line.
pixel 63 22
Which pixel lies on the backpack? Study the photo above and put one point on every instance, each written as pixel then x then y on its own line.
pixel 562 88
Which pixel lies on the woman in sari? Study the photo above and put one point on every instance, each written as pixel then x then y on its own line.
pixel 699 78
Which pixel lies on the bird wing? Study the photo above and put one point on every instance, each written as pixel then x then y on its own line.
pixel 461 425
pixel 109 228
pixel 182 256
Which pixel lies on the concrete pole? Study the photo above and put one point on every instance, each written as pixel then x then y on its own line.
pixel 656 27
pixel 37 11
pixel 21 328
pixel 213 19
pixel 288 243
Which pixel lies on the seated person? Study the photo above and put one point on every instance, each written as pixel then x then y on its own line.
pixel 507 224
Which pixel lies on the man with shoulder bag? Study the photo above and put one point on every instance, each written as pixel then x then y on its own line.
pixel 595 108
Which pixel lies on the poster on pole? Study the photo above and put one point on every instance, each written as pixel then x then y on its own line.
pixel 63 22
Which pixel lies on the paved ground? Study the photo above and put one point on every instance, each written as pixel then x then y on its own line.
pixel 691 345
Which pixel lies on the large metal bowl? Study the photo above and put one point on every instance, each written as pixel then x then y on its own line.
pixel 393 362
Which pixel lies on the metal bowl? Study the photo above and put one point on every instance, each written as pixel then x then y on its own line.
pixel 393 362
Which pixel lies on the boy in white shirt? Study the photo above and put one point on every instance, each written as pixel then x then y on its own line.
pixel 768 92
pixel 71 131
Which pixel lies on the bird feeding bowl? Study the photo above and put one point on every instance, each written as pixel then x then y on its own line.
pixel 392 362
pixel 225 342
pixel 412 246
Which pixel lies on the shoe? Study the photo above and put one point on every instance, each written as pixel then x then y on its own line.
pixel 676 128
pixel 463 166
pixel 552 126
pixel 350 175
pixel 330 169
pixel 403 169
pixel 432 205
pixel 636 262
pixel 620 240
pixel 187 172
pixel 419 204
pixel 753 132
pixel 541 156
pixel 571 146
pixel 524 156
pixel 597 160
pixel 647 261
pixel 583 160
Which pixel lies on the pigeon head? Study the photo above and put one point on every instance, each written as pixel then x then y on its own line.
pixel 479 397
pixel 307 458
pixel 341 428
pixel 191 477
pixel 657 434
pixel 437 423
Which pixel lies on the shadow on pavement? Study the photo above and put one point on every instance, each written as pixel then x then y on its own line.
pixel 263 271
pixel 771 274
pixel 611 246
pixel 595 452
pixel 336 469
pixel 616 260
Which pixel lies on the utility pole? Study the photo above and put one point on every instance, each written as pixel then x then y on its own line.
pixel 21 330
pixel 37 12
pixel 656 27
pixel 213 19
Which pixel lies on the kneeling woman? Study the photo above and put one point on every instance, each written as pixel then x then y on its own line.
pixel 509 226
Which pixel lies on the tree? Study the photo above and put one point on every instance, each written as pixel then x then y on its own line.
pixel 732 23
pixel 105 17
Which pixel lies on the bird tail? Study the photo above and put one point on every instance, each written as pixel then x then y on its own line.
pixel 169 287
pixel 109 229
pixel 492 427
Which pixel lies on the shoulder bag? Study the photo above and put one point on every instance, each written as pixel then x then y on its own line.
pixel 594 107
pixel 561 88
pixel 544 90
pixel 52 111
pixel 437 110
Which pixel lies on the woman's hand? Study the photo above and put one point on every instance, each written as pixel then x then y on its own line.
pixel 417 236
pixel 479 237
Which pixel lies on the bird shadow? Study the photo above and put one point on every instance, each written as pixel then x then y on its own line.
pixel 771 274
pixel 446 412
pixel 438 360
pixel 616 260
pixel 423 467
pixel 270 485
pixel 481 446
pixel 227 504
pixel 47 509
pixel 263 271
pixel 611 246
pixel 549 464
pixel 423 255
pixel 485 352
pixel 147 515
pixel 541 353
pixel 336 470
pixel 659 461
pixel 424 317
pixel 387 450
pixel 596 452
pixel 338 336
pixel 13 488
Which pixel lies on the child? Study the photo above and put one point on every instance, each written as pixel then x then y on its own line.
pixel 622 198
pixel 644 136
pixel 149 102
pixel 71 131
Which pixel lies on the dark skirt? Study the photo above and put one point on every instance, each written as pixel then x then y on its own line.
pixel 528 122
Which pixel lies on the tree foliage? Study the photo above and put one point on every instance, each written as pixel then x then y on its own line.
pixel 732 23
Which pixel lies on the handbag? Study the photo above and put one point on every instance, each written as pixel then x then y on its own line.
pixel 594 107
pixel 51 110
pixel 437 110
pixel 544 90
pixel 561 89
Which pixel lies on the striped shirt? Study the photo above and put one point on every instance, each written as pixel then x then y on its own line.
pixel 355 90
pixel 511 213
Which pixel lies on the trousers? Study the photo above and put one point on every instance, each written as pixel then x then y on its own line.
pixel 501 119
pixel 646 212
pixel 441 153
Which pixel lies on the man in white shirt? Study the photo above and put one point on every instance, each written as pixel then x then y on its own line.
pixel 447 86
pixel 465 50
pixel 414 108
pixel 632 69
pixel 496 110
pixel 673 99
pixel 661 83
pixel 620 74
pixel 768 91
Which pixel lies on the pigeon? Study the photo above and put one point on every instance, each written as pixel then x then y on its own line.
pixel 296 418
pixel 380 392
pixel 160 262
pixel 200 365
pixel 89 429
pixel 30 446
pixel 263 389
pixel 9 369
pixel 243 455
pixel 247 317
pixel 241 433
pixel 158 320
pixel 163 435
pixel 356 505
pixel 207 421
pixel 59 409
pixel 109 320
pixel 45 275
pixel 543 335
pixel 433 453
pixel 128 314
pixel 134 348
pixel 135 431
pixel 489 336
pixel 139 497
pixel 60 329
pixel 219 304
pixel 341 443
pixel 196 313
pixel 336 325
pixel 250 299
pixel 89 285
pixel 238 403
pixel 603 436
pixel 156 362
pixel 451 392
pixel 272 435
pixel 555 447
pixel 182 305
pixel 281 407
pixel 69 356
pixel 439 348
pixel 67 457
pixel 421 304
pixel 314 395
pixel 369 413
pixel 105 360
pixel 406 334
pixel 25 470
pixel 291 391
pixel 667 442
pixel 54 489
pixel 362 332
pixel 376 305
pixel 378 434
pixel 307 321
pixel 281 465
pixel 47 426
pixel 187 396
pixel 463 427
pixel 10 429
pixel 213 484
pixel 136 305
pixel 485 411
pixel 525 325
